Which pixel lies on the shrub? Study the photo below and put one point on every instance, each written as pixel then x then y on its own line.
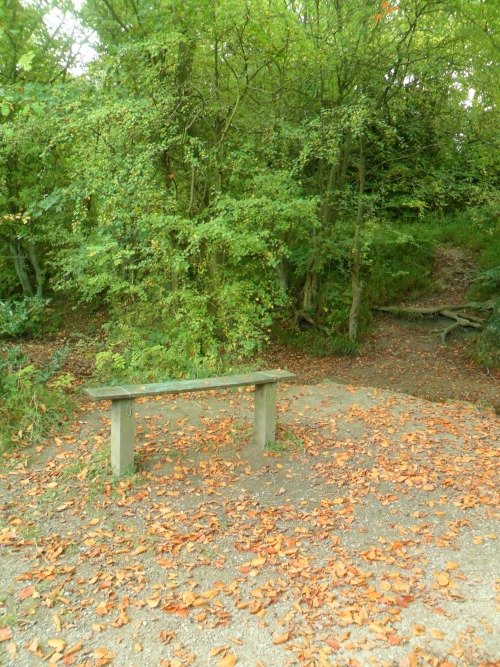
pixel 488 343
pixel 22 317
pixel 30 406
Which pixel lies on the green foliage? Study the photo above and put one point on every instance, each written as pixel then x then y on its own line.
pixel 489 281
pixel 204 175
pixel 397 266
pixel 30 406
pixel 23 317
pixel 316 342
pixel 286 442
pixel 488 344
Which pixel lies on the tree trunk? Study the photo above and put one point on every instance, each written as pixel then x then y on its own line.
pixel 310 288
pixel 16 250
pixel 357 289
pixel 36 267
pixel 357 285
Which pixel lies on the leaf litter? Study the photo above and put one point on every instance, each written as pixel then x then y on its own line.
pixel 366 536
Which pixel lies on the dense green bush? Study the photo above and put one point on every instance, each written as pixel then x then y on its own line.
pixel 32 401
pixel 398 266
pixel 22 317
pixel 488 343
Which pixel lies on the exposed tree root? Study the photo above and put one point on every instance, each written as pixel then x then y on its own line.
pixel 452 312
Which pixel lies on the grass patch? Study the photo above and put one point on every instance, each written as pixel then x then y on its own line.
pixel 287 443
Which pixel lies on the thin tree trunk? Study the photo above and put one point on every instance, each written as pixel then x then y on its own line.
pixel 357 285
pixel 20 267
pixel 357 289
pixel 36 267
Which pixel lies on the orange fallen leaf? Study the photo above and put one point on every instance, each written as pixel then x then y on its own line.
pixel 58 644
pixel 216 651
pixel 101 609
pixel 140 550
pixel 5 634
pixel 437 634
pixel 33 646
pixel 443 578
pixel 228 661
pixel 55 657
pixel 188 597
pixel 450 565
pixel 258 561
pixel 74 649
pixel 282 638
pixel 208 595
pixel 27 593
pixel 57 622
pixel 378 629
pixel 409 660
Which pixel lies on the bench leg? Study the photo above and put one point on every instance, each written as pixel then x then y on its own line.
pixel 122 436
pixel 265 413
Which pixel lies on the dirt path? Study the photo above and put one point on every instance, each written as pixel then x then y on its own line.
pixel 406 356
pixel 368 537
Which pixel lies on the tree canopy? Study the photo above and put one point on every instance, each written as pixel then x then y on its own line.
pixel 224 165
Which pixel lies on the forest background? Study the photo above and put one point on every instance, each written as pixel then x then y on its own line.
pixel 223 173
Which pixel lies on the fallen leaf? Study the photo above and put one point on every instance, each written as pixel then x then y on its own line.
pixel 409 660
pixel 27 593
pixel 282 638
pixel 5 634
pixel 443 578
pixel 74 649
pixel 140 550
pixel 58 644
pixel 33 646
pixel 228 661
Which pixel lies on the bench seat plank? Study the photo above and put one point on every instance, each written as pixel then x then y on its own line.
pixel 122 411
pixel 182 386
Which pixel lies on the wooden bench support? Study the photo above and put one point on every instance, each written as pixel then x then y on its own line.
pixel 122 436
pixel 122 407
pixel 265 414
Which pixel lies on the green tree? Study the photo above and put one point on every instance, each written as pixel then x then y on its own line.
pixel 34 62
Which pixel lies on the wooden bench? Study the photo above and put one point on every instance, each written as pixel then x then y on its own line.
pixel 122 409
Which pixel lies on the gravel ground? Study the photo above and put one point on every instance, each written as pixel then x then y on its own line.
pixel 366 536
